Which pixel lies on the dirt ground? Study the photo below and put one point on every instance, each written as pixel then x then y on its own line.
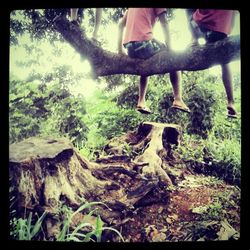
pixel 200 208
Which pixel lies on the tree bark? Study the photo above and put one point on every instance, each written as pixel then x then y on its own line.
pixel 107 63
pixel 151 144
pixel 46 172
pixel 49 170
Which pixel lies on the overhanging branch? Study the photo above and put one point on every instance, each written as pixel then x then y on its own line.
pixel 107 63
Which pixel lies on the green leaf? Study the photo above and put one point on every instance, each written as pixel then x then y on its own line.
pixel 38 224
pixel 62 235
pixel 29 226
pixel 88 205
pixel 88 236
pixel 75 232
pixel 99 228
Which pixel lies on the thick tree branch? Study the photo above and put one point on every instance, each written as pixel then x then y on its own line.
pixel 107 63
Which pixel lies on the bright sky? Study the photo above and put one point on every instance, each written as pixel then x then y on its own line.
pixel 180 37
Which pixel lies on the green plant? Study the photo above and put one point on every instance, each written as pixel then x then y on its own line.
pixel 98 229
pixel 201 102
pixel 39 109
pixel 23 229
pixel 191 148
pixel 225 158
pixel 213 211
pixel 95 230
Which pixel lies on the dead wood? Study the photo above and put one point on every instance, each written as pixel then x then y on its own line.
pixel 47 173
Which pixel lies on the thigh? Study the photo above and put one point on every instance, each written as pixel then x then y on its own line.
pixel 130 49
pixel 152 47
pixel 142 50
pixel 131 52
pixel 145 50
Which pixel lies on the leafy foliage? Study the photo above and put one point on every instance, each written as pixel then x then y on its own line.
pixel 37 109
pixel 39 22
pixel 111 120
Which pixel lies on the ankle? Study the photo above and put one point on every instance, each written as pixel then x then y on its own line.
pixel 141 104
pixel 230 105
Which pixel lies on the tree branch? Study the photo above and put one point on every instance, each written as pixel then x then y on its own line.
pixel 107 63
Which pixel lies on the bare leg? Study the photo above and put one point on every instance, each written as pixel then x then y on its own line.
pixel 73 14
pixel 175 78
pixel 98 16
pixel 141 106
pixel 227 81
pixel 142 91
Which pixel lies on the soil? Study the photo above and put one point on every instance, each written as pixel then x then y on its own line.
pixel 178 221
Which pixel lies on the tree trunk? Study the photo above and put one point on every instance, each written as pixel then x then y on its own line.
pixel 46 172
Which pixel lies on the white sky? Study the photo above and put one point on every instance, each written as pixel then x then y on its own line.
pixel 180 37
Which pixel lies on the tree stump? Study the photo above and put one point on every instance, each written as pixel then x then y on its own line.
pixel 46 172
pixel 152 142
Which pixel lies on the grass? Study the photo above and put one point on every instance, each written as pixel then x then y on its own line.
pixel 96 229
